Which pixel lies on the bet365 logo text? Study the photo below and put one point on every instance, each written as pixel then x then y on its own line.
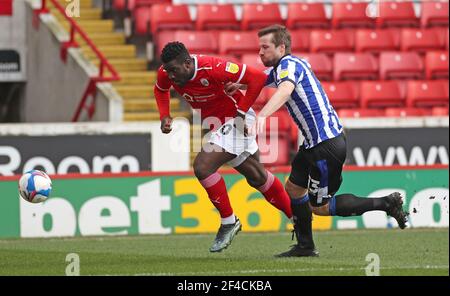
pixel 73 8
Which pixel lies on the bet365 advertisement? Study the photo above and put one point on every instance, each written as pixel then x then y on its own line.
pixel 145 203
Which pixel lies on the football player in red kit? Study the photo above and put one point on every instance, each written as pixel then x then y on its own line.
pixel 200 80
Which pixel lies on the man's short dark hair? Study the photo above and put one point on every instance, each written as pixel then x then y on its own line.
pixel 174 50
pixel 280 36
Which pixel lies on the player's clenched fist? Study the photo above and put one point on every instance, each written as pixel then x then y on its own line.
pixel 166 124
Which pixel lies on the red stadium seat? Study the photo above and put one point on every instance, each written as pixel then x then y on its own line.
pixel 133 4
pixel 427 93
pixel 375 41
pixel 6 7
pixel 278 126
pixel 406 112
pixel 320 64
pixel 342 94
pixel 355 66
pixel 238 43
pixel 434 14
pixel 198 42
pixel 170 17
pixel 396 14
pixel 256 16
pixel 253 60
pixel 300 40
pixel 356 113
pixel 331 41
pixel 211 16
pixel 347 14
pixel 436 65
pixel 306 15
pixel 382 94
pixel 439 111
pixel 142 16
pixel 401 65
pixel 162 38
pixel 420 40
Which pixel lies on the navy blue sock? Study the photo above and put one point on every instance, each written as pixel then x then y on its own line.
pixel 345 205
pixel 302 216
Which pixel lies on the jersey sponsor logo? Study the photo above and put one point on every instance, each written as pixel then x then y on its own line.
pixel 284 73
pixel 232 68
pixel 204 82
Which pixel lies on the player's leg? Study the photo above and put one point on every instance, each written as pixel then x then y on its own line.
pixel 296 187
pixel 266 183
pixel 205 169
pixel 329 176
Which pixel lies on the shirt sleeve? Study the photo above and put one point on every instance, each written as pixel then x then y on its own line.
pixel 289 71
pixel 270 81
pixel 161 92
pixel 162 81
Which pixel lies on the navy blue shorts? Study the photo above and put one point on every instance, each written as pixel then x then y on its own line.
pixel 320 169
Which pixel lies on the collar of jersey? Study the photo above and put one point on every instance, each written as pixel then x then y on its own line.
pixel 195 67
pixel 279 61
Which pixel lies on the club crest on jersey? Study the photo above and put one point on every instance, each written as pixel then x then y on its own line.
pixel 232 68
pixel 204 82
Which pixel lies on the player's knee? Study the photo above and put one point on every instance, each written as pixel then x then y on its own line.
pixel 257 179
pixel 321 211
pixel 295 191
pixel 201 169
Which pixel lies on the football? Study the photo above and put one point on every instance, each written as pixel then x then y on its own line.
pixel 35 186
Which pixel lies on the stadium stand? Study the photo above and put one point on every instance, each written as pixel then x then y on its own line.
pixel 347 14
pixel 306 15
pixel 401 65
pixel 376 41
pixel 434 13
pixel 436 65
pixel 382 94
pixel 343 94
pixel 331 41
pixel 431 93
pixel 321 63
pixel 355 66
pixel 420 40
pixel 256 16
pixel 216 17
pixel 396 14
pixel 369 67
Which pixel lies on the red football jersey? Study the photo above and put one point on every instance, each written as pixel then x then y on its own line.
pixel 205 91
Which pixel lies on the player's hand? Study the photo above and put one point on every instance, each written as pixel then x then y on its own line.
pixel 259 127
pixel 231 88
pixel 239 124
pixel 166 124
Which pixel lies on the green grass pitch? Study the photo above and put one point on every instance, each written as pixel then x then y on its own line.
pixel 342 252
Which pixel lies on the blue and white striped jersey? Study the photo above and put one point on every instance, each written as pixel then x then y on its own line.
pixel 308 105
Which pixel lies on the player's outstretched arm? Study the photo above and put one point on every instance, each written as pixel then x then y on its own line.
pixel 278 99
pixel 255 81
pixel 163 102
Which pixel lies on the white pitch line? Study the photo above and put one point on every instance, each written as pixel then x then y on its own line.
pixel 253 271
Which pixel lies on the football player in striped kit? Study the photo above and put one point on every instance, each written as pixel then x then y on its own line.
pixel 316 171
